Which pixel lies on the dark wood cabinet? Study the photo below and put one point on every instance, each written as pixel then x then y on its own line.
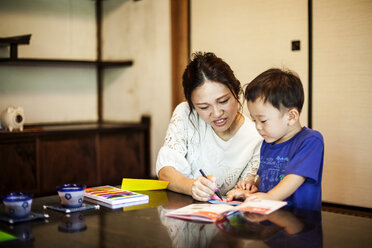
pixel 120 155
pixel 67 159
pixel 18 167
pixel 37 160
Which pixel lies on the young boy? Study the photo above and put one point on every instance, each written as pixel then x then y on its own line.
pixel 291 160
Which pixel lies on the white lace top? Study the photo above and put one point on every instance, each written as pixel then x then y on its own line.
pixel 189 147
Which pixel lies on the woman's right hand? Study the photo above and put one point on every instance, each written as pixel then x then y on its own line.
pixel 203 188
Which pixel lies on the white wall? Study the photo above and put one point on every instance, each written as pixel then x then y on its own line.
pixel 253 36
pixel 66 29
pixel 63 29
pixel 342 98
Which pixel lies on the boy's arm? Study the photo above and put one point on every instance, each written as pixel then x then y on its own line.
pixel 285 188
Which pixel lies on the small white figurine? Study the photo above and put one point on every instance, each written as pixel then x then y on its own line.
pixel 12 118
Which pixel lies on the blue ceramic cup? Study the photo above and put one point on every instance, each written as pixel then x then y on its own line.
pixel 17 205
pixel 71 195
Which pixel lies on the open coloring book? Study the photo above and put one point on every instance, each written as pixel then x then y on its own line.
pixel 209 212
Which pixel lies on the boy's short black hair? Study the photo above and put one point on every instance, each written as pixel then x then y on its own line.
pixel 280 88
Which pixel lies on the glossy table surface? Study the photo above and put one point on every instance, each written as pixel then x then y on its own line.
pixel 146 226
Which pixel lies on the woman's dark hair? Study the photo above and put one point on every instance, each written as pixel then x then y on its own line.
pixel 278 87
pixel 208 67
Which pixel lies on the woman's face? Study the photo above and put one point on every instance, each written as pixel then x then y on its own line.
pixel 216 105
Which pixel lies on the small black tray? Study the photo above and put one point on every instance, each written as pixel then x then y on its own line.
pixel 32 216
pixel 60 208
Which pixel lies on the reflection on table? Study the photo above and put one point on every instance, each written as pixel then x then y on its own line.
pixel 282 228
pixel 146 226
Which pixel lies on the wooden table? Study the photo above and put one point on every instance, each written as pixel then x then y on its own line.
pixel 146 226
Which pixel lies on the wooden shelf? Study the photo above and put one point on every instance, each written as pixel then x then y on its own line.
pixel 29 61
pixel 64 128
pixel 99 64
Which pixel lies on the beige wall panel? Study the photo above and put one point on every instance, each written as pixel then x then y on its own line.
pixel 138 30
pixel 253 36
pixel 50 93
pixel 342 98
pixel 63 29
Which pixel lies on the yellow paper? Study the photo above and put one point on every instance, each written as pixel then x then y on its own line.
pixel 157 198
pixel 143 184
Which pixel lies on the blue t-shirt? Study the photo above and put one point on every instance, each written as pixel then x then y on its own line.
pixel 301 155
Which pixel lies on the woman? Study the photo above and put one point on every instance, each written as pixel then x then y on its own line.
pixel 208 132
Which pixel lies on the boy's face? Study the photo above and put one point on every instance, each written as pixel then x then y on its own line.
pixel 272 124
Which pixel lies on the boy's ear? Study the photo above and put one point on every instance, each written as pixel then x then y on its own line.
pixel 293 116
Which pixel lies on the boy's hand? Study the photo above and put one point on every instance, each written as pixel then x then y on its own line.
pixel 244 194
pixel 237 194
pixel 249 186
pixel 249 183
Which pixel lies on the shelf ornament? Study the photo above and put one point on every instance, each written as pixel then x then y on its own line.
pixel 12 118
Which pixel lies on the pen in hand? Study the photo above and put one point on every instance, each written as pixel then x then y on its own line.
pixel 216 191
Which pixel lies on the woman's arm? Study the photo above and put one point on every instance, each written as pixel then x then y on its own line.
pixel 177 181
pixel 172 165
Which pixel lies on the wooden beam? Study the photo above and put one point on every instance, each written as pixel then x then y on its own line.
pixel 99 59
pixel 180 34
